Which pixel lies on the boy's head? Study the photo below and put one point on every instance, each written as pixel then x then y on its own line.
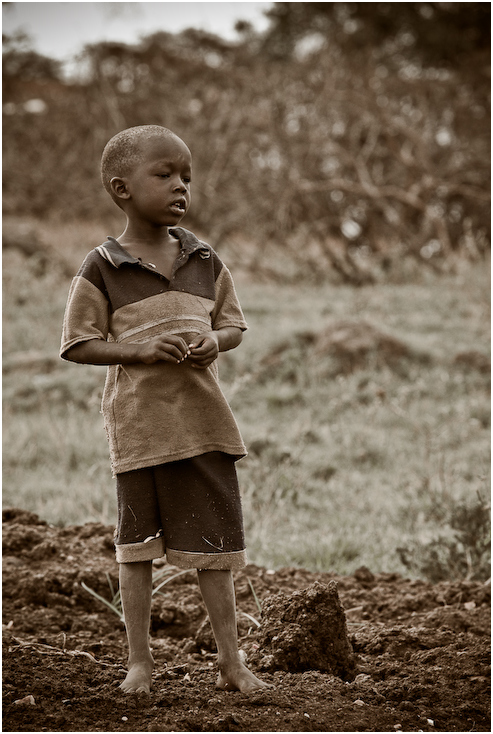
pixel 127 149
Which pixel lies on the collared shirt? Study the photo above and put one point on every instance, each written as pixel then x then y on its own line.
pixel 160 412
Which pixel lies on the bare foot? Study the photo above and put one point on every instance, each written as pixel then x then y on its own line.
pixel 237 677
pixel 138 678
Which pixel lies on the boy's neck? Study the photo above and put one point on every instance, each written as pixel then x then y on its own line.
pixel 145 237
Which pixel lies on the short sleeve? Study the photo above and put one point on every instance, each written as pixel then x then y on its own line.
pixel 227 310
pixel 87 310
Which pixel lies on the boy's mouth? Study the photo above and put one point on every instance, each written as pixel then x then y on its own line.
pixel 179 206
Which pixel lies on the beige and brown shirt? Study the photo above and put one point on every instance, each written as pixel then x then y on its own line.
pixel 161 412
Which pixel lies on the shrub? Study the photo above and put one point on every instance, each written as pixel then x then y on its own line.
pixel 461 551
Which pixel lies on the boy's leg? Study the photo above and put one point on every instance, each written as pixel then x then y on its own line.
pixel 219 596
pixel 136 595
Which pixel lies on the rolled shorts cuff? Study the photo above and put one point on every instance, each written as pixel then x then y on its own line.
pixel 135 552
pixel 228 561
pixel 155 548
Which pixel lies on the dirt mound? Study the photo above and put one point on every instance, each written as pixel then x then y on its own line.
pixel 421 650
pixel 306 631
pixel 345 345
pixel 474 360
pixel 354 343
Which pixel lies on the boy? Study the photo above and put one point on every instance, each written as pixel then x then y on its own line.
pixel 157 306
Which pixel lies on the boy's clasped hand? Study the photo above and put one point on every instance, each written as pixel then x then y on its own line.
pixel 201 352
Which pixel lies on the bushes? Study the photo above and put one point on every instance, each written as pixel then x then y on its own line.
pixel 460 551
pixel 331 160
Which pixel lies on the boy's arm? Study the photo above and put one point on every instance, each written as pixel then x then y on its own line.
pixel 168 348
pixel 205 347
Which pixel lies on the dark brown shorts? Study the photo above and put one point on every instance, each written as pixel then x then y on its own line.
pixel 188 510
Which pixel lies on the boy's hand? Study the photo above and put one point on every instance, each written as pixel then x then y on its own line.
pixel 203 350
pixel 166 348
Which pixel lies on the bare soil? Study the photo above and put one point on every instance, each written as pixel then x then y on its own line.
pixel 420 658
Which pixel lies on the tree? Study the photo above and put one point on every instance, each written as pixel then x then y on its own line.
pixel 435 32
pixel 319 152
pixel 22 64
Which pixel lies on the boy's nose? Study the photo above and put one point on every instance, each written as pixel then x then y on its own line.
pixel 180 186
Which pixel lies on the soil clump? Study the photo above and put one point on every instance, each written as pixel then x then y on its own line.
pixel 404 655
pixel 305 631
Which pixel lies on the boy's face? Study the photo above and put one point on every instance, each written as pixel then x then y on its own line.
pixel 159 185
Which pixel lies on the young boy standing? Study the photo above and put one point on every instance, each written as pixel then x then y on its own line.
pixel 157 306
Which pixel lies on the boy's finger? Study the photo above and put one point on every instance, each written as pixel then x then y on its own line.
pixel 183 347
pixel 173 353
pixel 199 352
pixel 177 343
pixel 172 357
pixel 196 343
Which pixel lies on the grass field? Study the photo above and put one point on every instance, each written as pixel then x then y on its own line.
pixel 345 466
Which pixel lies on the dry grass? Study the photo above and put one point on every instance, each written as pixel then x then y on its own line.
pixel 347 461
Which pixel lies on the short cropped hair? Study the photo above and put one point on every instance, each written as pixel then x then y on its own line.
pixel 124 151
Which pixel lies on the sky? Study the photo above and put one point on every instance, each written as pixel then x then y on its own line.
pixel 60 30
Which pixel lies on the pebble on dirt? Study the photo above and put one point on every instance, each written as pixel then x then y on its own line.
pixel 26 701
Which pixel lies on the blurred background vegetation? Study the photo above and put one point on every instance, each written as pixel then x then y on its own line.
pixel 345 139
pixel 342 169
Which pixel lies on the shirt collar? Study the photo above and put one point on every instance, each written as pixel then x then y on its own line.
pixel 116 255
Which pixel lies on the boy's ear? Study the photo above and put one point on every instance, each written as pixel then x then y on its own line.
pixel 119 188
